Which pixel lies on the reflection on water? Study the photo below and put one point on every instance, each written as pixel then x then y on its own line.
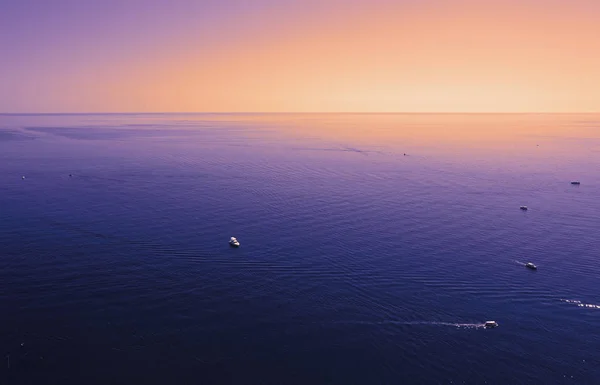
pixel 360 233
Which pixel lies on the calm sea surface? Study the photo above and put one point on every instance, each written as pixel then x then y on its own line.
pixel 373 247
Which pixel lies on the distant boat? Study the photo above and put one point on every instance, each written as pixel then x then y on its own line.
pixel 233 242
pixel 523 207
pixel 490 324
pixel 23 177
pixel 576 182
pixel 531 266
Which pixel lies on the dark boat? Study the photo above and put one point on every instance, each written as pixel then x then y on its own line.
pixel 576 182
pixel 523 208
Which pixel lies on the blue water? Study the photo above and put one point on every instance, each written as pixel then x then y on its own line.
pixel 358 264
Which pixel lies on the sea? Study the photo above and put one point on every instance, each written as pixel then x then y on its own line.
pixel 373 247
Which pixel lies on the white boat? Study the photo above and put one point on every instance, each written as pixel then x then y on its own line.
pixel 490 324
pixel 234 242
pixel 531 266
pixel 523 208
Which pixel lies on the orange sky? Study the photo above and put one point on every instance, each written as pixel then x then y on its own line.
pixel 389 56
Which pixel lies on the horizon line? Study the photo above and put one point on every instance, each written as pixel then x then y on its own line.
pixel 310 112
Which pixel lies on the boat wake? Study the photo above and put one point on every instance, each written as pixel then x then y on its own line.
pixel 581 304
pixel 451 324
pixel 417 323
pixel 521 263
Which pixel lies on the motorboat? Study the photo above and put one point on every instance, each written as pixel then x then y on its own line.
pixel 576 182
pixel 234 242
pixel 531 266
pixel 490 324
pixel 524 208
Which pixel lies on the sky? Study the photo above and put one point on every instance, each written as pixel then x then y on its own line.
pixel 299 56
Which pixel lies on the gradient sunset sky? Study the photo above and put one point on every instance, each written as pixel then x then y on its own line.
pixel 300 56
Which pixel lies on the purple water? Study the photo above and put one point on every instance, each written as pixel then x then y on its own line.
pixel 358 264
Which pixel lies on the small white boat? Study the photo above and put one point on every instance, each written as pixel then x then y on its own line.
pixel 531 266
pixel 234 242
pixel 524 208
pixel 23 177
pixel 576 182
pixel 490 324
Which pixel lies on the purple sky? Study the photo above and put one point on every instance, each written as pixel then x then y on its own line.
pixel 45 40
pixel 299 55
